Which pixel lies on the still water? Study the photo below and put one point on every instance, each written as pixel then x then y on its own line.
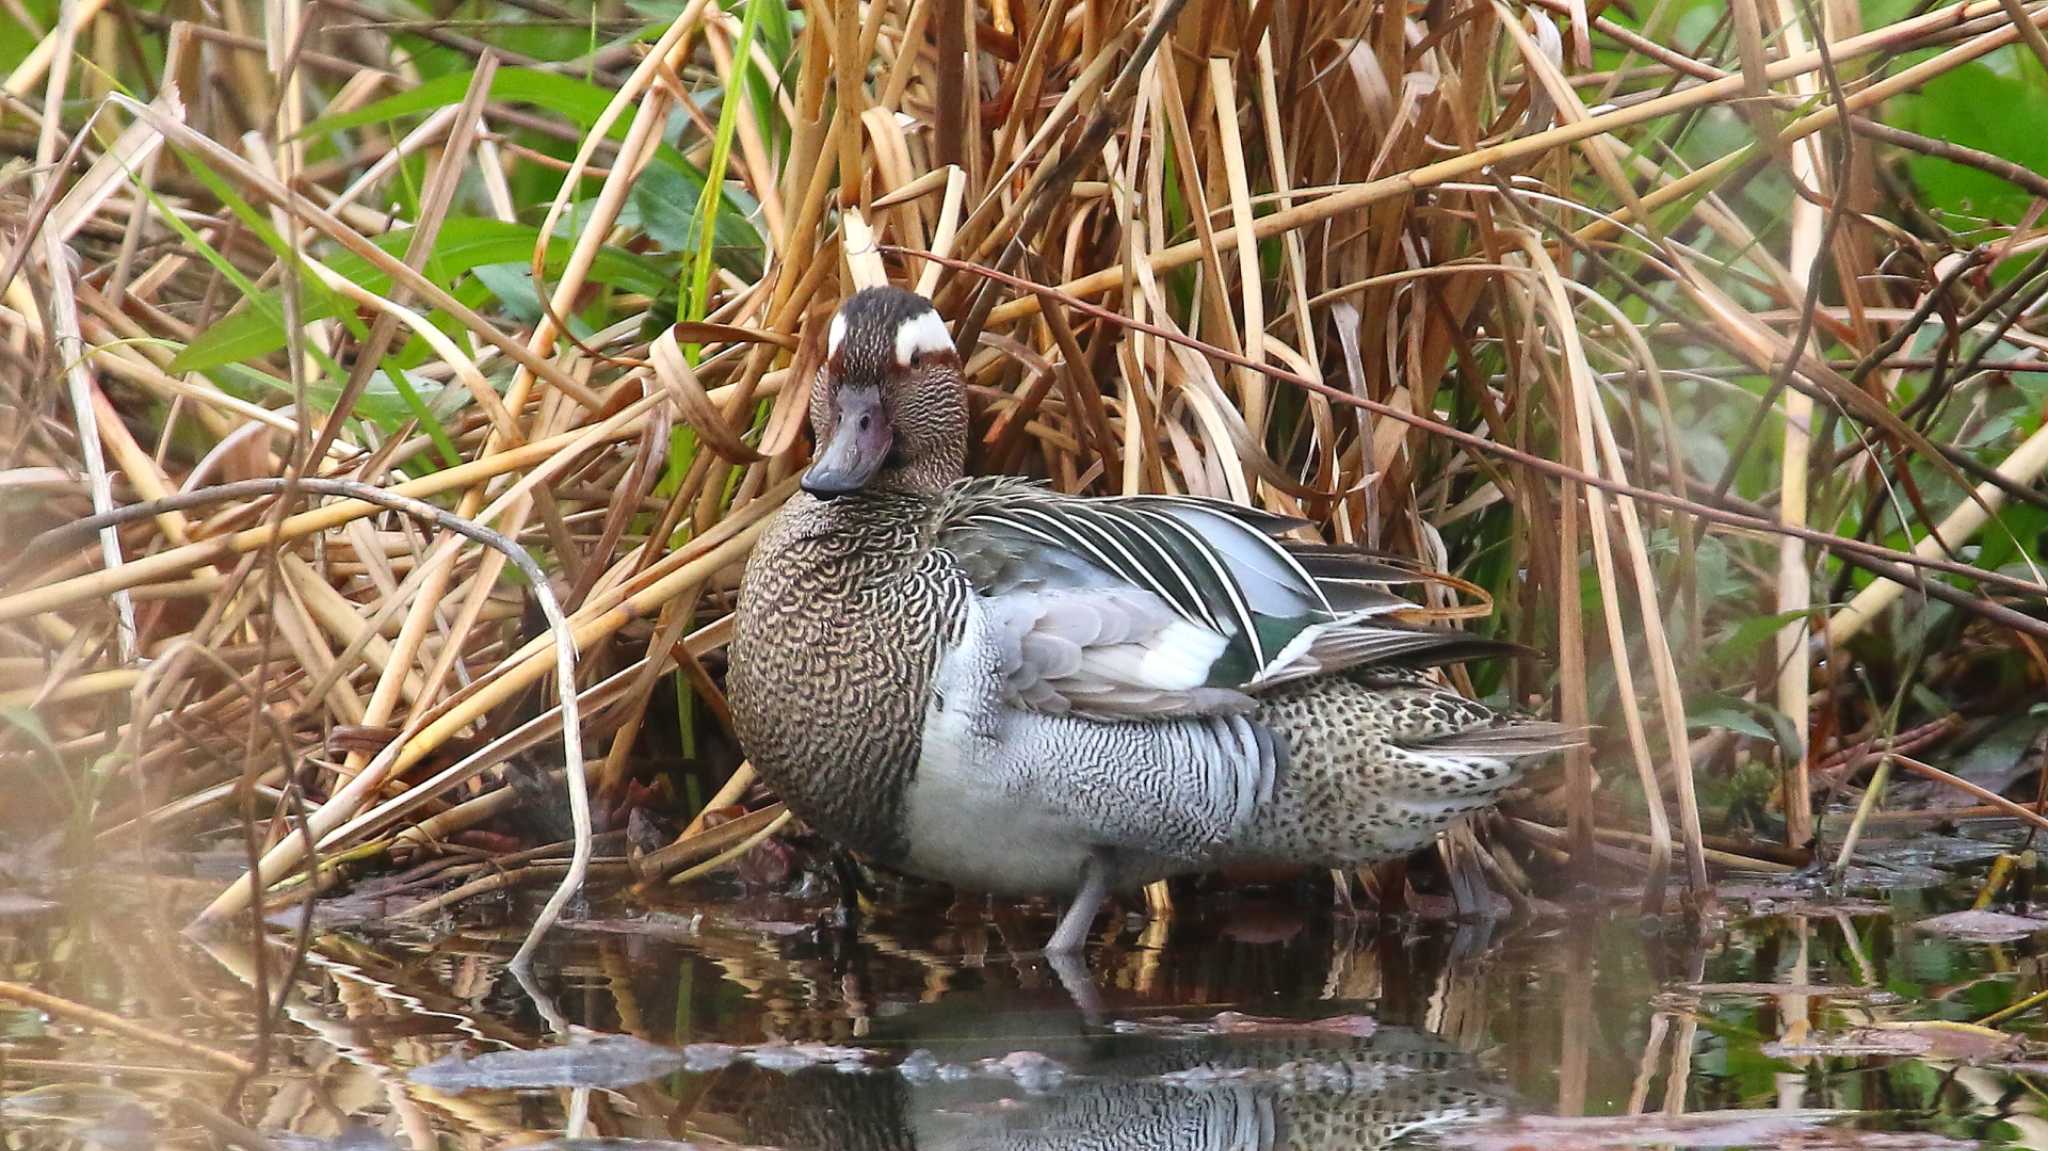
pixel 720 1018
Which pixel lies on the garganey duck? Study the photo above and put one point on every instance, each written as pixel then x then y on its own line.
pixel 982 682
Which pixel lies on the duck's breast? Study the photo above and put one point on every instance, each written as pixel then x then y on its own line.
pixel 835 641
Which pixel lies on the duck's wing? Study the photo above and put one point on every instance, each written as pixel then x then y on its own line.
pixel 1157 606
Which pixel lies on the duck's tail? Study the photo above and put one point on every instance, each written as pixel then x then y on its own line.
pixel 1371 771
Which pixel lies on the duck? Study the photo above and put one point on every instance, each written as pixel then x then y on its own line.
pixel 981 681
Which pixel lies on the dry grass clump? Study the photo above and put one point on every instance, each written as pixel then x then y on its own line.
pixel 1641 321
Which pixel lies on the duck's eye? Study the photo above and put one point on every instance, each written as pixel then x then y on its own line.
pixel 916 359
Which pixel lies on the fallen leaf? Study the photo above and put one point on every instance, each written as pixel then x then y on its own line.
pixel 608 1061
pixel 1786 1130
pixel 1810 990
pixel 1982 926
pixel 1934 1039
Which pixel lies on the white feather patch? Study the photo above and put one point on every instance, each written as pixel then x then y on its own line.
pixel 836 335
pixel 1178 658
pixel 922 333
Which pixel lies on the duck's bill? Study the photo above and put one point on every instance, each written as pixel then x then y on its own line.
pixel 855 449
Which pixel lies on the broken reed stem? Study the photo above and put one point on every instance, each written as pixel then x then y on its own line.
pixel 1865 807
pixel 694 845
pixel 778 820
pixel 1984 794
pixel 732 791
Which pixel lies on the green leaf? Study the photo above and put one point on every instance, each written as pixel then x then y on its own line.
pixel 669 202
pixel 1978 105
pixel 31 725
pixel 575 100
pixel 1753 632
pixel 401 382
pixel 382 403
pixel 2014 528
pixel 1724 713
pixel 1743 717
pixel 512 284
pixel 464 243
pixel 778 41
pixel 270 308
pixel 703 247
pixel 578 101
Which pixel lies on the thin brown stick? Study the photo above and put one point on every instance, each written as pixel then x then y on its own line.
pixel 1985 794
pixel 94 1018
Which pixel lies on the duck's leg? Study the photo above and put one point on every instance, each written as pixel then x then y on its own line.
pixel 851 887
pixel 1342 905
pixel 1079 982
pixel 1096 876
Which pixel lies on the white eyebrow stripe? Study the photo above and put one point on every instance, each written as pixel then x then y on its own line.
pixel 924 332
pixel 836 335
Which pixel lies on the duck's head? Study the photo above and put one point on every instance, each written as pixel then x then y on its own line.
pixel 888 407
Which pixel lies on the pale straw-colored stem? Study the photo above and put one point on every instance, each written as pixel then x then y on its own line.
pixel 1795 583
pixel 2023 466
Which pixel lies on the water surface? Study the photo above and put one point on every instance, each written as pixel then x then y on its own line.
pixel 721 1018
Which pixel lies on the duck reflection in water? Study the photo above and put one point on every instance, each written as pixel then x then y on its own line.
pixel 663 1034
pixel 997 1057
pixel 1192 1092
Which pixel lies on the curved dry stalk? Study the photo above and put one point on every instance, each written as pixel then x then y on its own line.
pixel 343 803
pixel 600 618
pixel 548 455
